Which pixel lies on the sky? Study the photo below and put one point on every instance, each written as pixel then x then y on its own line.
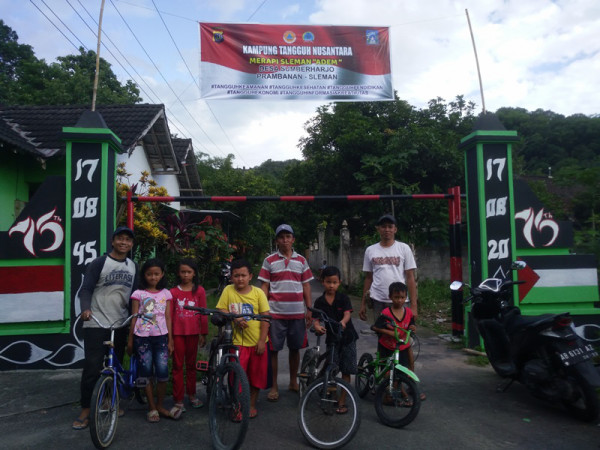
pixel 532 54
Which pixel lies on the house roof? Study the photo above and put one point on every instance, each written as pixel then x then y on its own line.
pixel 37 130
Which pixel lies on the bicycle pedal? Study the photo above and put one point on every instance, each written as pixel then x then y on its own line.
pixel 303 375
pixel 202 366
pixel 141 382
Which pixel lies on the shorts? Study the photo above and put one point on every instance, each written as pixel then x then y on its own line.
pixel 378 307
pixel 291 330
pixel 153 352
pixel 346 359
pixel 255 366
pixel 386 353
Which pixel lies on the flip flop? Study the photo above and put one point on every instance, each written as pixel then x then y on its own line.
pixel 273 396
pixel 341 409
pixel 196 403
pixel 153 416
pixel 175 413
pixel 81 424
pixel 293 389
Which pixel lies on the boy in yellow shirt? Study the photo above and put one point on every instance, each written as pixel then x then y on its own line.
pixel 250 336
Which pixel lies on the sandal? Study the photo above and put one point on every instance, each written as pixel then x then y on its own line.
pixel 195 402
pixel 175 413
pixel 273 396
pixel 180 405
pixel 152 416
pixel 81 424
pixel 253 413
pixel 341 409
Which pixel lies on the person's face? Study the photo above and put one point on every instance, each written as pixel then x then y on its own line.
pixel 153 275
pixel 398 298
pixel 331 284
pixel 387 231
pixel 241 278
pixel 285 241
pixel 122 243
pixel 186 274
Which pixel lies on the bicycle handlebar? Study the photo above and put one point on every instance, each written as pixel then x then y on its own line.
pixel 226 315
pixel 328 321
pixel 124 323
pixel 396 328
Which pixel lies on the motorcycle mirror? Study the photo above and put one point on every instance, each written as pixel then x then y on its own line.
pixel 456 285
pixel 518 265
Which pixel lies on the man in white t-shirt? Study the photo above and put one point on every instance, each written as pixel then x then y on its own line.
pixel 384 263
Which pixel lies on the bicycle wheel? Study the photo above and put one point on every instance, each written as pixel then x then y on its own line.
pixel 307 370
pixel 229 407
pixel 365 377
pixel 104 412
pixel 319 417
pixel 398 406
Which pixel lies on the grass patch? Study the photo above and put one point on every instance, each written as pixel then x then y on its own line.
pixel 435 306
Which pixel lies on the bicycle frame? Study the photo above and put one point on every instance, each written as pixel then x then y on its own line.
pixel 384 365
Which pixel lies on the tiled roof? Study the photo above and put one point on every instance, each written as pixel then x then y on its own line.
pixel 38 129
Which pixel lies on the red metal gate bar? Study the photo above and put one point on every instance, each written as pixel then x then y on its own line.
pixel 290 198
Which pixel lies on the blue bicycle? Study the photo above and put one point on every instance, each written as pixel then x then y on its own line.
pixel 114 383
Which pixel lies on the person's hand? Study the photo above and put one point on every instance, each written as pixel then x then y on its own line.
pixel 319 329
pixel 171 346
pixel 130 347
pixel 260 347
pixel 241 322
pixel 413 328
pixel 362 314
pixel 308 318
pixel 86 315
pixel 202 341
pixel 343 324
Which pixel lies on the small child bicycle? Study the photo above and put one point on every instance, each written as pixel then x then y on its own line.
pixel 114 382
pixel 397 396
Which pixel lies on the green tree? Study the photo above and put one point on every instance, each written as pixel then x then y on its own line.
pixel 27 80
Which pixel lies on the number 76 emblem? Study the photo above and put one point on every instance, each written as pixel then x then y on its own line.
pixel 30 228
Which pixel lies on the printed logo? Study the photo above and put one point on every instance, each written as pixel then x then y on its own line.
pixel 48 222
pixel 372 37
pixel 218 36
pixel 538 221
pixel 308 36
pixel 289 37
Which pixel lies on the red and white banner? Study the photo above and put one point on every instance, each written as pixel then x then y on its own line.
pixel 305 62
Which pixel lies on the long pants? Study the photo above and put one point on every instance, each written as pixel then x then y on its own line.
pixel 94 349
pixel 186 351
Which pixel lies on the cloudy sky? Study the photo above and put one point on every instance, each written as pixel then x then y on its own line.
pixel 533 54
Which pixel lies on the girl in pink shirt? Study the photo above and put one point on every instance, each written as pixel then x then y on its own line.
pixel 189 331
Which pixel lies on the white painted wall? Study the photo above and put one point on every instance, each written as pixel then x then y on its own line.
pixel 137 163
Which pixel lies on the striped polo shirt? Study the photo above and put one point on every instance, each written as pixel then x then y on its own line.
pixel 285 278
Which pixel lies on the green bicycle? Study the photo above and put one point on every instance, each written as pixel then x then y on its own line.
pixel 396 389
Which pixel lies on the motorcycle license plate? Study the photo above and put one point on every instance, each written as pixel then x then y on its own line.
pixel 577 354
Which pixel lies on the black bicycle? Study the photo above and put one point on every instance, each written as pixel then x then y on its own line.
pixel 320 417
pixel 227 388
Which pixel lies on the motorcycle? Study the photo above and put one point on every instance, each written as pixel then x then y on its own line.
pixel 224 277
pixel 545 353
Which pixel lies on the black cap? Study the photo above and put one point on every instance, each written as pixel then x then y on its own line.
pixel 386 218
pixel 125 230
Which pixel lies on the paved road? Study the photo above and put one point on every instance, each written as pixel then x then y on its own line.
pixel 462 411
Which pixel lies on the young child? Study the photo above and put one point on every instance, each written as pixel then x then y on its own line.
pixel 151 336
pixel 338 307
pixel 403 317
pixel 251 336
pixel 189 332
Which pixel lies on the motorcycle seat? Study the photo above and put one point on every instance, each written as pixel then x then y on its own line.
pixel 519 322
